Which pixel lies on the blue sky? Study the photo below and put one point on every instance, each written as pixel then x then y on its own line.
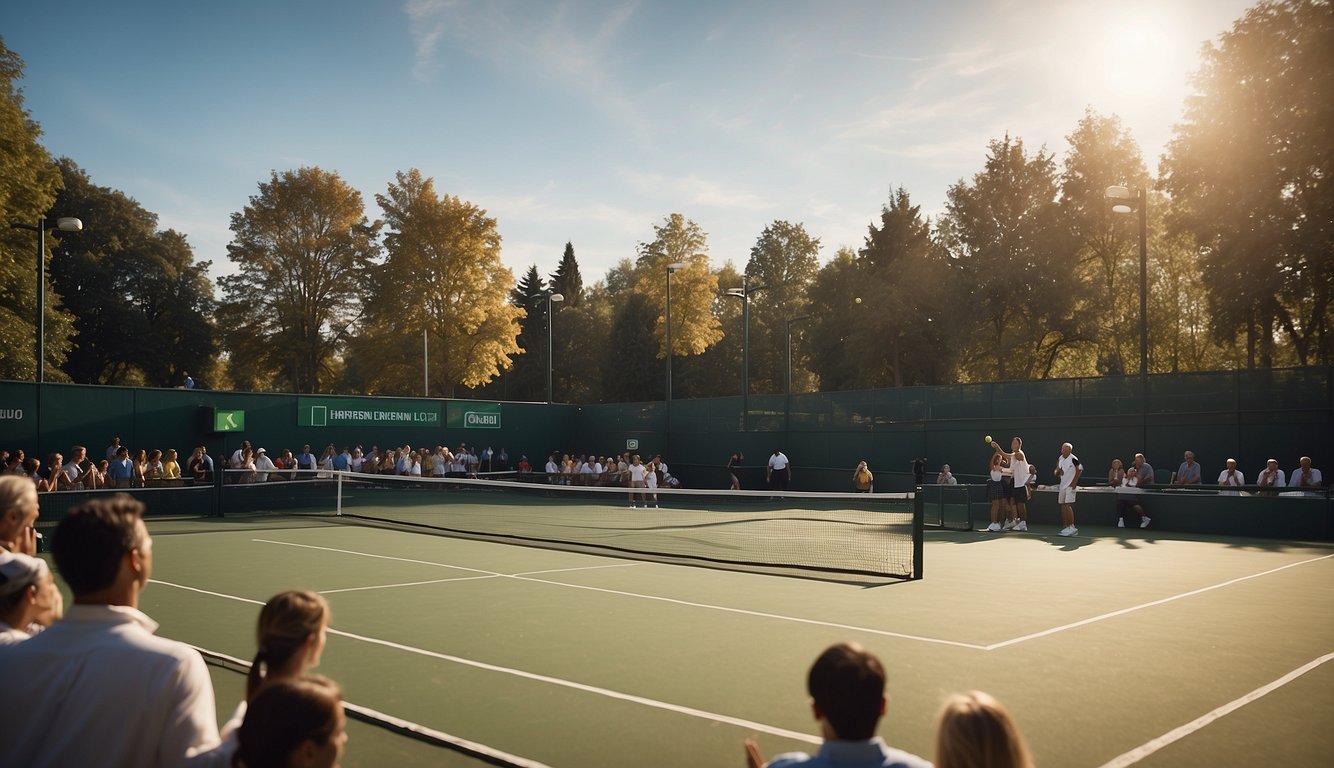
pixel 592 121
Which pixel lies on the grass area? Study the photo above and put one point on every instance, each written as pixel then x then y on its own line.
pixel 1098 644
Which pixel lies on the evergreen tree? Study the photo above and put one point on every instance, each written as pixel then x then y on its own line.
pixel 566 280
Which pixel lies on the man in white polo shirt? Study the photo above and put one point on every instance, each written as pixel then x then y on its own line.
pixel 97 687
pixel 1068 469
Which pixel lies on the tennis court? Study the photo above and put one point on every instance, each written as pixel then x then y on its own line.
pixel 1113 647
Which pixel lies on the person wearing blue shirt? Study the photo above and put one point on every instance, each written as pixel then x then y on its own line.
pixel 847 686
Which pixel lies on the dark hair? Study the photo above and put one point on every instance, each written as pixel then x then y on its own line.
pixel 284 715
pixel 848 685
pixel 286 621
pixel 92 538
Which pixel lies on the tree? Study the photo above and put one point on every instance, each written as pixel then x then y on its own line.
pixel 304 251
pixel 1102 154
pixel 143 307
pixel 784 260
pixel 1249 171
pixel 1014 250
pixel 29 181
pixel 716 372
pixel 694 326
pixel 527 379
pixel 443 276
pixel 567 280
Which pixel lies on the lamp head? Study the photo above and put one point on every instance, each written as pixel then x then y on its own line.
pixel 676 266
pixel 69 224
pixel 558 297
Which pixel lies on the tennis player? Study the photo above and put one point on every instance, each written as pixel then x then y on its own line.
pixel 1068 469
pixel 1018 487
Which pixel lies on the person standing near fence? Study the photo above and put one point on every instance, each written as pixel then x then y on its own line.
pixel 779 471
pixel 1068 469
pixel 733 464
pixel 1018 488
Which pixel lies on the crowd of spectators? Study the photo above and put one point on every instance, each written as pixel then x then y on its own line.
pixel 119 468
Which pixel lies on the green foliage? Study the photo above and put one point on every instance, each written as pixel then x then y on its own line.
pixel 304 251
pixel 143 306
pixel 526 380
pixel 784 260
pixel 694 286
pixel 567 280
pixel 1249 171
pixel 1016 252
pixel 29 181
pixel 443 274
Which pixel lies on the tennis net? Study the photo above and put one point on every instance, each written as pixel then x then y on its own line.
pixel 853 533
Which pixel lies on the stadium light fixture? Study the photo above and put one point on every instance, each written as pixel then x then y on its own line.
pixel 63 224
pixel 744 293
pixel 1125 200
pixel 550 360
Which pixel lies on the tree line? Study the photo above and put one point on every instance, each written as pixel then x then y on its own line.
pixel 1027 273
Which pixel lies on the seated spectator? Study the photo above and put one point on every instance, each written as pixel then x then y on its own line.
pixel 54 474
pixel 32 469
pixel 29 600
pixel 15 463
pixel 171 468
pixel 1144 470
pixel 1270 477
pixel 296 722
pixel 975 731
pixel 153 470
pixel 263 466
pixel 1128 499
pixel 1231 478
pixel 97 475
pixel 77 470
pixel 97 687
pixel 1306 477
pixel 1189 472
pixel 18 514
pixel 847 686
pixel 946 477
pixel 524 466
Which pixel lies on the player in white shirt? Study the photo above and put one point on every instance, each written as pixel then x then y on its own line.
pixel 1018 518
pixel 1068 469
pixel 638 473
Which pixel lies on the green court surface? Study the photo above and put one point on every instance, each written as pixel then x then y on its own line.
pixel 1113 647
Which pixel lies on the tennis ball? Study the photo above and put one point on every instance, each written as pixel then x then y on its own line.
pixel 987 440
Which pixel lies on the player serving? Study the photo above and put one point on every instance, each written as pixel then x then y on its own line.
pixel 1016 492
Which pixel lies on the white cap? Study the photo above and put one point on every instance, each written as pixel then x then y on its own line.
pixel 19 571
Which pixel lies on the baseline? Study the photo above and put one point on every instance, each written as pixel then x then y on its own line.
pixel 1176 734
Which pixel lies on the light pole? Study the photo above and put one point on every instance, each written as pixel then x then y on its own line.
pixel 787 386
pixel 1123 202
pixel 550 360
pixel 64 224
pixel 426 367
pixel 744 293
pixel 668 317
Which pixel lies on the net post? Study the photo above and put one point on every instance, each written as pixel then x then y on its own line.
pixel 918 532
pixel 338 494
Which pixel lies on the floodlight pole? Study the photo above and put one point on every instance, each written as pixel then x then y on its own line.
pixel 787 387
pixel 550 360
pixel 668 317
pixel 64 224
pixel 744 293
pixel 1121 200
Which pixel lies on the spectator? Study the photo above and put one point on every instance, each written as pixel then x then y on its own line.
pixel 289 640
pixel 113 449
pixel 54 474
pixel 238 453
pixel 1189 472
pixel 862 479
pixel 1271 477
pixel 16 462
pixel 1306 477
pixel 1144 470
pixel 98 688
pixel 1231 478
pixel 305 460
pixel 1128 498
pixel 263 466
pixel 1116 476
pixel 171 469
pixel 297 722
pixel 153 469
pixel 18 515
pixel 29 600
pixel 121 469
pixel 975 731
pixel 918 471
pixel 778 472
pixel 946 477
pixel 524 466
pixel 734 466
pixel 139 473
pixel 847 684
pixel 200 466
pixel 77 470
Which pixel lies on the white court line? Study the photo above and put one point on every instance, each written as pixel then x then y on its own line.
pixel 583 568
pixel 404 584
pixel 709 606
pixel 654 703
pixel 380 557
pixel 1150 604
pixel 1176 734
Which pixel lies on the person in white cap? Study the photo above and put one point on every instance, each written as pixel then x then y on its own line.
pixel 263 466
pixel 29 600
